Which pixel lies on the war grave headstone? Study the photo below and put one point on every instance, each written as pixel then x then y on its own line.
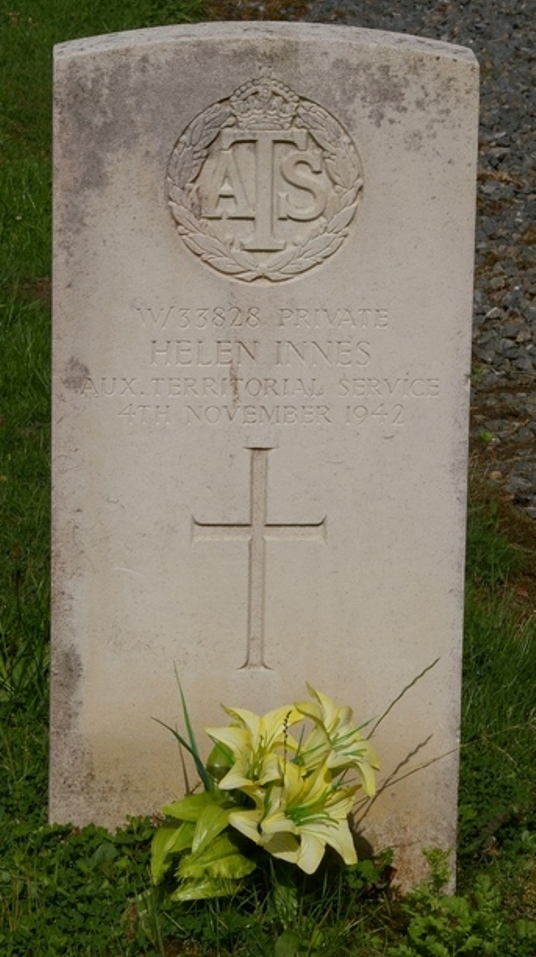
pixel 263 278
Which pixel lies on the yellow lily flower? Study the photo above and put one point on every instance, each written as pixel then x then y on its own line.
pixel 336 740
pixel 295 820
pixel 253 742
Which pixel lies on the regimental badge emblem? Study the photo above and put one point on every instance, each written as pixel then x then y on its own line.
pixel 264 185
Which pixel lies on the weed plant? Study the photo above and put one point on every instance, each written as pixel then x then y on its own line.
pixel 83 892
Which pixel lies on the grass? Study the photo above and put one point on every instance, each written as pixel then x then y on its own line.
pixel 74 893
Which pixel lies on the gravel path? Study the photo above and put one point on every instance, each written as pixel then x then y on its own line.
pixel 502 33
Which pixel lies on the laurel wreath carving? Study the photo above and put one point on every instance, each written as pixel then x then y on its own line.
pixel 343 167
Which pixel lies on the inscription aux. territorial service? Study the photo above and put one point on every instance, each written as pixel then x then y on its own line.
pixel 317 368
pixel 263 185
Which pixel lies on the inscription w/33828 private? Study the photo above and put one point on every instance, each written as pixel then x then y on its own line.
pixel 171 315
pixel 264 184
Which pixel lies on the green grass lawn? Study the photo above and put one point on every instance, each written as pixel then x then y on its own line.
pixel 72 893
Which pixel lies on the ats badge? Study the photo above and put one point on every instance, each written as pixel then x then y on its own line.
pixel 264 185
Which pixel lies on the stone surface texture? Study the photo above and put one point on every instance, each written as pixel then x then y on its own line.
pixel 263 278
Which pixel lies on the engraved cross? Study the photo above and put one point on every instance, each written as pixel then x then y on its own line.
pixel 256 532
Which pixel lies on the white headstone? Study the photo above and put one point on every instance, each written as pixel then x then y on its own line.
pixel 263 276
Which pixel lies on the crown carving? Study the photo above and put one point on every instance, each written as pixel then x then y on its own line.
pixel 264 104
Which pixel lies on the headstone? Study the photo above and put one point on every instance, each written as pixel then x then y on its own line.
pixel 263 276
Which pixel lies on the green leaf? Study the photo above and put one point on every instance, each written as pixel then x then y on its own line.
pixel 285 899
pixel 184 836
pixel 105 853
pixel 168 839
pixel 191 807
pixel 220 859
pixel 211 822
pixel 194 750
pixel 196 890
pixel 288 944
pixel 232 867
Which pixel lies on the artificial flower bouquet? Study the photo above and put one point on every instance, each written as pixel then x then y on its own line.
pixel 267 791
